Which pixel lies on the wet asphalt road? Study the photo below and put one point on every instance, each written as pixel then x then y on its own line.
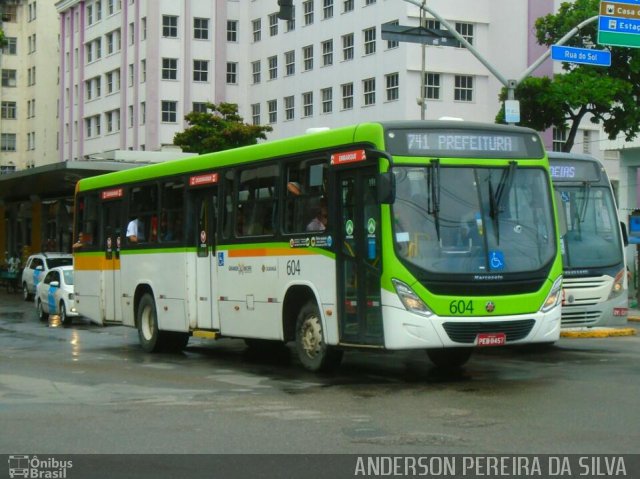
pixel 89 389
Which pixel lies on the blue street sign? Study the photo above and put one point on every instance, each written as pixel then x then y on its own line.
pixel 586 56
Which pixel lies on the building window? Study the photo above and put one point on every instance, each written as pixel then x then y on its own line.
pixel 392 44
pixel 347 96
pixel 143 71
pixel 273 67
pixel 327 100
pixel 113 121
pixel 369 2
pixel 8 110
pixel 255 72
pixel 273 24
pixel 290 62
pixel 255 113
pixel 232 30
pixel 393 86
pixel 347 6
pixel 463 90
pixel 87 127
pixel 200 70
pixel 11 48
pixel 169 68
pixel 291 24
pixel 369 36
pixel 132 33
pixel 432 86
pixel 559 138
pixel 8 142
pixel 308 12
pixel 130 110
pixel 201 28
pixel 169 26
pixel 307 104
pixel 586 142
pixel 131 74
pixel 169 111
pixel 232 73
pixel 289 105
pixel 272 107
pixel 307 55
pixel 257 29
pixel 143 33
pixel 466 30
pixel 327 53
pixel 369 90
pixel 327 9
pixel 143 112
pixel 9 13
pixel 199 107
pixel 113 81
pixel 347 47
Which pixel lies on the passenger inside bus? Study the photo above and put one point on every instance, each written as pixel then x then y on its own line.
pixel 319 222
pixel 135 230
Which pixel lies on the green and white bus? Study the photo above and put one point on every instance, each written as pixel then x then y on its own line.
pixel 440 235
pixel 595 273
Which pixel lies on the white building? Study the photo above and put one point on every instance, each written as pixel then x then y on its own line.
pixel 28 93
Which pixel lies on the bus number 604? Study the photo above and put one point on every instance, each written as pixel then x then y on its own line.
pixel 461 307
pixel 293 267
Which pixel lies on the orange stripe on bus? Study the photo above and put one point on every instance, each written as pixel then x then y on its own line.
pixel 93 263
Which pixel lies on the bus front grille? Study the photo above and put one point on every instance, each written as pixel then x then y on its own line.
pixel 462 332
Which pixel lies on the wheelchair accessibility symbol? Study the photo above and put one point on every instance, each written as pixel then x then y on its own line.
pixel 496 260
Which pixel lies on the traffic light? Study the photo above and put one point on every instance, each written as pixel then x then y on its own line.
pixel 286 9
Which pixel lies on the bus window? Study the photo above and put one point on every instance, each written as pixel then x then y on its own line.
pixel 86 221
pixel 304 195
pixel 256 201
pixel 143 203
pixel 172 203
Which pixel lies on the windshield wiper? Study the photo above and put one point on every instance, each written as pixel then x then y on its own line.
pixel 502 191
pixel 433 205
pixel 583 208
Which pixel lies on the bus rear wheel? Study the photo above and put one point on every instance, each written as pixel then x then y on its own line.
pixel 449 358
pixel 313 351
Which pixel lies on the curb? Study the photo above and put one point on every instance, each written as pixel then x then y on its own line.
pixel 633 318
pixel 597 332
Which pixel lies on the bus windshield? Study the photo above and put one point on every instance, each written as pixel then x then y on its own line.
pixel 473 220
pixel 592 238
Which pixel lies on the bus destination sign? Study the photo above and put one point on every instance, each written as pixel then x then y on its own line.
pixel 574 170
pixel 464 143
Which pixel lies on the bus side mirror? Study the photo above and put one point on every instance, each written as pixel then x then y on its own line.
pixel 625 235
pixel 386 188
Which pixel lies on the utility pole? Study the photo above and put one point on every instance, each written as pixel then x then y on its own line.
pixel 422 101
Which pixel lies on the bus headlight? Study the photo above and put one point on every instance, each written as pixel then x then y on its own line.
pixel 410 299
pixel 618 284
pixel 554 297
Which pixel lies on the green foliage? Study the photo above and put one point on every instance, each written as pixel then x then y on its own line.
pixel 220 129
pixel 3 40
pixel 610 96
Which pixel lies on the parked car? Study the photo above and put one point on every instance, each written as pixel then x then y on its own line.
pixel 36 268
pixel 54 295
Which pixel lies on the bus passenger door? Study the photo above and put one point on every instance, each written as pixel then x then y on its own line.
pixel 112 236
pixel 203 203
pixel 359 258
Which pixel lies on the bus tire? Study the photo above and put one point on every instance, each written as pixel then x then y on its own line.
pixel 313 352
pixel 449 358
pixel 42 316
pixel 150 336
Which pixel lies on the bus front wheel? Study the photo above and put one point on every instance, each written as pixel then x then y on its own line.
pixel 313 351
pixel 449 358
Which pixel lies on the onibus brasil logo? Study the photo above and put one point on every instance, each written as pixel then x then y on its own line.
pixel 34 467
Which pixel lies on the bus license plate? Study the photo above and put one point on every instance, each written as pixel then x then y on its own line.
pixel 491 339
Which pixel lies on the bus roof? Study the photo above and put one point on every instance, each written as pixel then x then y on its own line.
pixel 371 133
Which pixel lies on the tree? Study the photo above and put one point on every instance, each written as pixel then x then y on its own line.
pixel 3 40
pixel 220 129
pixel 608 96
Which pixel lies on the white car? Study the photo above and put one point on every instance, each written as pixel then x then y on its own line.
pixel 54 295
pixel 37 266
